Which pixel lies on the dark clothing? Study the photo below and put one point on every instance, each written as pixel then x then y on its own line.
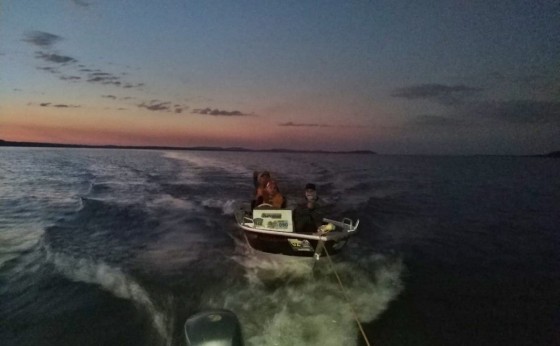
pixel 306 219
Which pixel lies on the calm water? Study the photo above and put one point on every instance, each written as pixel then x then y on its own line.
pixel 119 247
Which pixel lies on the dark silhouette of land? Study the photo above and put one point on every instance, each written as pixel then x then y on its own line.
pixel 60 145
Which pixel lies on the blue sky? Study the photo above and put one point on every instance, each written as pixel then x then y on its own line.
pixel 396 77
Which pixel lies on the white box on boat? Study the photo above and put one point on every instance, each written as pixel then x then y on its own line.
pixel 273 219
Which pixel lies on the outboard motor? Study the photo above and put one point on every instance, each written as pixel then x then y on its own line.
pixel 213 328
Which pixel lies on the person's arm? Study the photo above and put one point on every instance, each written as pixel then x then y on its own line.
pixel 277 201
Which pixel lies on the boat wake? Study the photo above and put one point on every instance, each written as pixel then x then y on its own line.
pixel 116 282
pixel 15 243
pixel 294 301
pixel 227 207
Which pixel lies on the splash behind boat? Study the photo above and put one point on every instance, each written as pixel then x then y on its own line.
pixel 271 230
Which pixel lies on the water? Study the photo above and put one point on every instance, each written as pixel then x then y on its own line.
pixel 119 247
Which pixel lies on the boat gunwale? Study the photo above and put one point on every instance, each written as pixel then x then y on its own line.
pixel 320 237
pixel 247 224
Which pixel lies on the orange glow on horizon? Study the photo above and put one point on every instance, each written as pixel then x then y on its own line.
pixel 92 127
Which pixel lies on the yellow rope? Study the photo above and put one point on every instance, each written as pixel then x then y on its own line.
pixel 343 290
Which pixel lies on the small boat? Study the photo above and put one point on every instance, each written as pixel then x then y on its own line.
pixel 271 230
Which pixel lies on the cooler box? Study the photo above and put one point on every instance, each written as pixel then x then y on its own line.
pixel 274 219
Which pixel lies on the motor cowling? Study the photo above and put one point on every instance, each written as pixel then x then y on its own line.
pixel 213 328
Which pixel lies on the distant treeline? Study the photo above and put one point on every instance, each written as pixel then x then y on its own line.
pixel 552 154
pixel 60 145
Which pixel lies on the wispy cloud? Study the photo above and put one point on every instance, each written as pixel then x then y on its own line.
pixel 79 72
pixel 156 105
pixel 49 69
pixel 480 113
pixel 66 106
pixel 518 111
pixel 51 57
pixel 81 3
pixel 218 112
pixel 292 124
pixel 58 105
pixel 179 108
pixel 429 120
pixel 41 39
pixel 446 94
pixel 104 78
pixel 163 106
pixel 132 85
pixel 70 78
pixel 462 110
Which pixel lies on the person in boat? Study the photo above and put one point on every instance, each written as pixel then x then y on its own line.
pixel 308 216
pixel 273 196
pixel 261 194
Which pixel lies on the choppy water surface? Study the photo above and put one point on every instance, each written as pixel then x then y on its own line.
pixel 119 247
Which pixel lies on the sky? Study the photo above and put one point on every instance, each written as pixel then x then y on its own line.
pixel 394 77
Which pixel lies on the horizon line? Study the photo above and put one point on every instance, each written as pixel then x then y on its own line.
pixel 5 143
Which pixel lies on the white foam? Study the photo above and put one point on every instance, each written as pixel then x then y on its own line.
pixel 284 303
pixel 228 207
pixel 174 250
pixel 16 241
pixel 261 268
pixel 112 280
pixel 166 201
pixel 201 160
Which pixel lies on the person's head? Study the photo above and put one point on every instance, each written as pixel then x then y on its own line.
pixel 310 192
pixel 271 187
pixel 264 178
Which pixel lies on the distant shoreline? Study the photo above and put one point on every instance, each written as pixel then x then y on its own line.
pixel 144 147
pixel 3 143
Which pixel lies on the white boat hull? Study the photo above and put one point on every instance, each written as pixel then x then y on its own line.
pixel 290 243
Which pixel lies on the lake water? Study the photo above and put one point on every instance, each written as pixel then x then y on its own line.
pixel 119 247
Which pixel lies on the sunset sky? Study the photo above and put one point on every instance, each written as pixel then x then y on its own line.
pixel 395 77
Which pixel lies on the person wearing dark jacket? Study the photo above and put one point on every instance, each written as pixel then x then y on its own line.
pixel 308 216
